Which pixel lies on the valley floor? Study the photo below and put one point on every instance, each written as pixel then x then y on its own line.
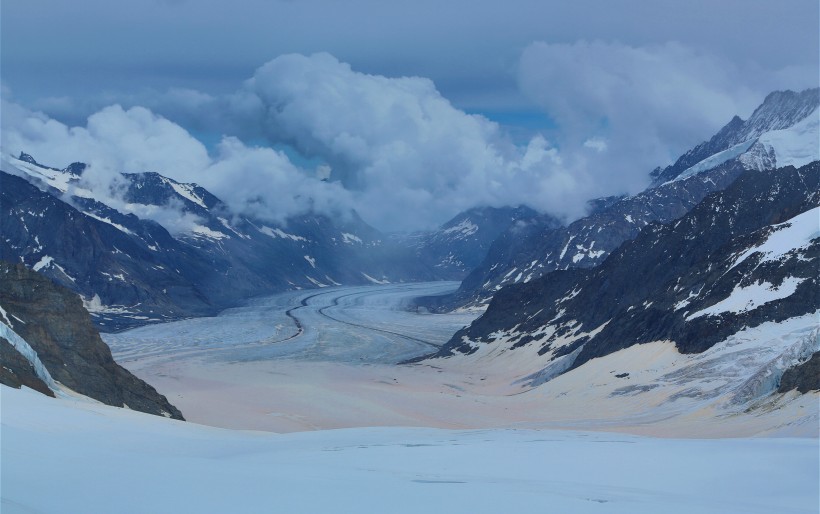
pixel 327 359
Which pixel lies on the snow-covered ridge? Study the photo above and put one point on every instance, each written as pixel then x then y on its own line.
pixel 186 191
pixel 464 229
pixel 780 110
pixel 785 237
pixel 108 221
pixel 747 298
pixel 58 179
pixel 278 232
pixel 797 145
pixel 203 231
pixel 715 160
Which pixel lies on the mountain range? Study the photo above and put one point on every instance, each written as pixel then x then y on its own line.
pixel 744 256
pixel 724 267
pixel 131 269
pixel 782 131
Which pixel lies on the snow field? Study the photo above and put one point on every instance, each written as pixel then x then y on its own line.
pixel 92 458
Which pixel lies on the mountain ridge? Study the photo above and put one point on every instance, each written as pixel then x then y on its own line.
pixel 178 251
pixel 744 256
pixel 783 117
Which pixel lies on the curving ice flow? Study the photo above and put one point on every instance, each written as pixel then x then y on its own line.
pixel 364 324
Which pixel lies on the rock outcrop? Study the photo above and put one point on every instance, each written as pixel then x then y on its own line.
pixel 54 323
pixel 804 377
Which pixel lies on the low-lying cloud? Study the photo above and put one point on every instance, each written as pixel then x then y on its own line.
pixel 254 181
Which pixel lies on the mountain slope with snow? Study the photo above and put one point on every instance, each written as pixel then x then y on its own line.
pixel 160 249
pixel 460 245
pixel 782 131
pixel 779 110
pixel 743 258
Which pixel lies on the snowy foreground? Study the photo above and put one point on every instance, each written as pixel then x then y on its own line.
pixel 71 455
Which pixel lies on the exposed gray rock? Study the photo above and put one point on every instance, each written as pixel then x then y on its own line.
pixel 52 320
pixel 523 254
pixel 804 377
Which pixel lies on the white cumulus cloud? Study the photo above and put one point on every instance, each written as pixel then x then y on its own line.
pixel 253 181
pixel 407 155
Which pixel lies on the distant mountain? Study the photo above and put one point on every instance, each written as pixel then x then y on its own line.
pixel 46 337
pixel 782 131
pixel 131 270
pixel 759 139
pixel 744 257
pixel 460 245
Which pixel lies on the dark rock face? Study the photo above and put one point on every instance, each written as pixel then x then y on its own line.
pixel 804 377
pixel 133 271
pixel 93 257
pixel 535 247
pixel 662 284
pixel 16 371
pixel 53 321
pixel 462 243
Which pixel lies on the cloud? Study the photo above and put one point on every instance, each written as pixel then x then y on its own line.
pixel 467 47
pixel 113 140
pixel 252 181
pixel 263 183
pixel 637 107
pixel 395 149
pixel 403 151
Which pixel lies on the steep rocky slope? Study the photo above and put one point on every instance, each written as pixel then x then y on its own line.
pixel 49 319
pixel 804 377
pixel 779 110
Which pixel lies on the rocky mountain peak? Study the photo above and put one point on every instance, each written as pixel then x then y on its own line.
pixel 27 158
pixel 744 257
pixel 780 109
pixel 76 168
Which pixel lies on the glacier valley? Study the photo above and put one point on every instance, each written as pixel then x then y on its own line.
pixel 455 435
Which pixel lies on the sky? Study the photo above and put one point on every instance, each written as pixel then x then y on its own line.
pixel 414 110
